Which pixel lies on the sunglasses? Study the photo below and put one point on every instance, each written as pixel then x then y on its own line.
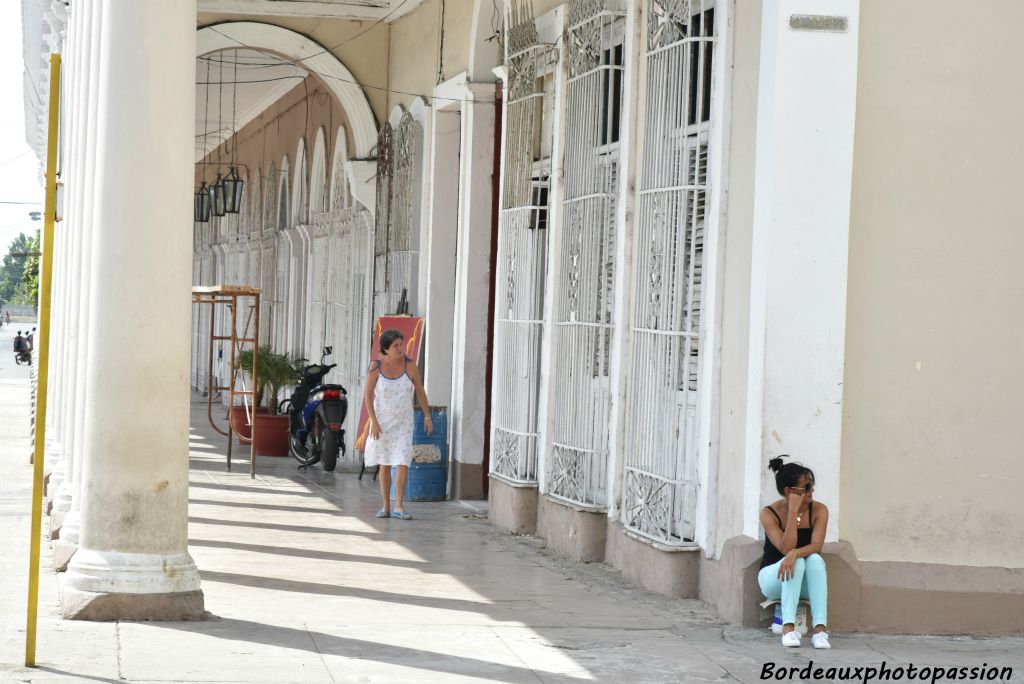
pixel 805 490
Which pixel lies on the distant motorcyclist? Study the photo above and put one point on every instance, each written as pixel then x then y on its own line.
pixel 30 340
pixel 22 349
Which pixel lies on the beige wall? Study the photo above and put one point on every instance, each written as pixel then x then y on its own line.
pixel 458 25
pixel 736 243
pixel 364 55
pixel 543 6
pixel 413 59
pixel 932 468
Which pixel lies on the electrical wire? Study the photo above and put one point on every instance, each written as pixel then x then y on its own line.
pixel 431 98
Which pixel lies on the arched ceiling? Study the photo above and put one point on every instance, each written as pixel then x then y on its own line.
pixel 261 80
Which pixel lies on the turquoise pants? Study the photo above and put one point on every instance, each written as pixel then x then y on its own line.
pixel 809 581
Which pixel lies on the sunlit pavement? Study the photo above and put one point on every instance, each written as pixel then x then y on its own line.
pixel 303 584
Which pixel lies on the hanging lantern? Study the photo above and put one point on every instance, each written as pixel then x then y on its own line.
pixel 202 204
pixel 233 192
pixel 217 196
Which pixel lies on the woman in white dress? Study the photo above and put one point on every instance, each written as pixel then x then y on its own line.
pixel 390 384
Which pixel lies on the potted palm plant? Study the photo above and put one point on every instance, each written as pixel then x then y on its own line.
pixel 275 372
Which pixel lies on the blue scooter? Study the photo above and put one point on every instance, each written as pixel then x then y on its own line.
pixel 315 414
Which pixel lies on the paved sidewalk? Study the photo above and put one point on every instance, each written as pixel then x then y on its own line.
pixel 303 584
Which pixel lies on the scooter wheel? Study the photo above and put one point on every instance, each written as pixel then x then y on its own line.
pixel 303 455
pixel 329 449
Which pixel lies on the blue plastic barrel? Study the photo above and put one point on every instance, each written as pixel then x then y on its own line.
pixel 428 472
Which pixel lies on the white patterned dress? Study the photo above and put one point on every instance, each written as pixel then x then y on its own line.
pixel 392 402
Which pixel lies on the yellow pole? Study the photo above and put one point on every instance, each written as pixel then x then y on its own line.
pixel 42 372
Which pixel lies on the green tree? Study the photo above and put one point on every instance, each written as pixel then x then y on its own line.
pixel 12 270
pixel 27 291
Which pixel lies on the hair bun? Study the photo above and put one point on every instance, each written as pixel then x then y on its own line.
pixel 775 465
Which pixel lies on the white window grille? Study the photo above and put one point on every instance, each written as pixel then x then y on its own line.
pixel 279 339
pixel 522 249
pixel 341 299
pixel 397 220
pixel 268 273
pixel 270 200
pixel 584 287
pixel 340 193
pixel 320 276
pixel 283 198
pixel 660 481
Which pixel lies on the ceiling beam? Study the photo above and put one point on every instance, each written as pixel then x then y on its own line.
pixel 326 9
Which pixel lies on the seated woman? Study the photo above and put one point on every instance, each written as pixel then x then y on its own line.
pixel 792 567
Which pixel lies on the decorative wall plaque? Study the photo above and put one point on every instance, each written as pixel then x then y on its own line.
pixel 819 22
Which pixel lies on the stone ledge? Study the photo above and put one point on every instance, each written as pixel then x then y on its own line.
pixel 513 509
pixel 576 533
pixel 926 598
pixel 83 605
pixel 672 573
pixel 878 596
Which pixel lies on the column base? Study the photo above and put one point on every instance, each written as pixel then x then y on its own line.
pixel 113 585
pixel 87 605
pixel 62 553
pixel 62 497
pixel 116 572
pixel 69 530
pixel 56 522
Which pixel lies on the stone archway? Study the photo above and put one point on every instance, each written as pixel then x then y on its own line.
pixel 314 57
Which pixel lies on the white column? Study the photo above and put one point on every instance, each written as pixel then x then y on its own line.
pixel 70 530
pixel 73 224
pixel 70 171
pixel 804 166
pixel 472 277
pixel 134 508
pixel 58 315
pixel 438 252
pixel 75 212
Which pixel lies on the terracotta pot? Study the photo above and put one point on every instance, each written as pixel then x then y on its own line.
pixel 271 435
pixel 240 423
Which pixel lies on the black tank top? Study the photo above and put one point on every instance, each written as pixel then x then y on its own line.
pixel 803 537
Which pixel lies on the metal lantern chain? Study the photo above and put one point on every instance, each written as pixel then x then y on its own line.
pixel 217 190
pixel 232 183
pixel 201 209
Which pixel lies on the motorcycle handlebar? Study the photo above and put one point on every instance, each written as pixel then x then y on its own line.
pixel 323 369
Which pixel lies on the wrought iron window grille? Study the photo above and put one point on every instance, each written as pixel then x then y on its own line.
pixel 660 473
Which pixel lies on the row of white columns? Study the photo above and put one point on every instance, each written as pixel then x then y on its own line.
pixel 118 417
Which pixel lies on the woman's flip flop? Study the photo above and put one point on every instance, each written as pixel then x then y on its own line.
pixel 402 515
pixel 382 513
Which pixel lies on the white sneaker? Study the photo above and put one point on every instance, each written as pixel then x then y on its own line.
pixel 791 639
pixel 820 640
